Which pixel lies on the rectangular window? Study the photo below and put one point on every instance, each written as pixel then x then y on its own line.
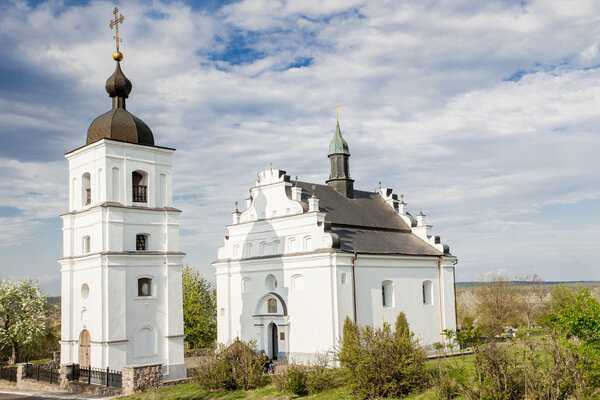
pixel 144 287
pixel 140 242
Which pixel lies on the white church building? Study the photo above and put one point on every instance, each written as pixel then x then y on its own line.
pixel 121 268
pixel 302 257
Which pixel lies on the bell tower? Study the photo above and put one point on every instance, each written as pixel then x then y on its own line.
pixel 121 270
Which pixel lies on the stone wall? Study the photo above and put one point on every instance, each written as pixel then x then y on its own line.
pixel 142 378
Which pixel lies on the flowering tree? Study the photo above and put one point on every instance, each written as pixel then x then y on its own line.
pixel 22 314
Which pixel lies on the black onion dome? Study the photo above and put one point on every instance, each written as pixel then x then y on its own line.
pixel 118 123
pixel 117 85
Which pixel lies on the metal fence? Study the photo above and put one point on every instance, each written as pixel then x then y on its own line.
pixel 9 373
pixel 97 376
pixel 41 372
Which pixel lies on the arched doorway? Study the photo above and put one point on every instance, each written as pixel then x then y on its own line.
pixel 84 349
pixel 273 341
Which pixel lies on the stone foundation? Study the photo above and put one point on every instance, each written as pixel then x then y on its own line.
pixel 142 378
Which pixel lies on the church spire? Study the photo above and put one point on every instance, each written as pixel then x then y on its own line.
pixel 339 152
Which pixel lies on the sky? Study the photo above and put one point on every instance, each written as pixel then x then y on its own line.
pixel 484 114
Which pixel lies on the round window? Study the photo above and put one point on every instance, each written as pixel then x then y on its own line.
pixel 85 290
pixel 271 282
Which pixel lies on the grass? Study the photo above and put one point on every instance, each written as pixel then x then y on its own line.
pixel 191 391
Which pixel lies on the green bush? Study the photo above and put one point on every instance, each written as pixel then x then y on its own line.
pixel 237 366
pixel 382 363
pixel 321 376
pixel 312 378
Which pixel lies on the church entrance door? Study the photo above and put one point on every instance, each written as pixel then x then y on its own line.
pixel 273 342
pixel 84 349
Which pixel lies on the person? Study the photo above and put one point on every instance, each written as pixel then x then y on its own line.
pixel 267 363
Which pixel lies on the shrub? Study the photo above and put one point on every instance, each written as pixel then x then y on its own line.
pixel 312 378
pixel 320 375
pixel 237 366
pixel 520 369
pixel 382 363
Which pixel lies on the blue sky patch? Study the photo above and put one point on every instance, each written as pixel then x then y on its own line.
pixel 7 211
pixel 300 62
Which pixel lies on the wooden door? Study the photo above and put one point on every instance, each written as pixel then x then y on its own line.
pixel 84 349
pixel 274 342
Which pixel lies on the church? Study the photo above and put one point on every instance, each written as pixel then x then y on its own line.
pixel 121 270
pixel 302 257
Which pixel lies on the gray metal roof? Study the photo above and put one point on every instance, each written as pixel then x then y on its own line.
pixel 366 224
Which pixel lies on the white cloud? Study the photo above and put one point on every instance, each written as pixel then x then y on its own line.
pixel 427 109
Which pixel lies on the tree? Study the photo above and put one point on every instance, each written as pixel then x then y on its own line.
pixel 497 303
pixel 533 295
pixel 199 309
pixel 22 314
pixel 575 317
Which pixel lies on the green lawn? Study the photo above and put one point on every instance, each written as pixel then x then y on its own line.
pixel 190 391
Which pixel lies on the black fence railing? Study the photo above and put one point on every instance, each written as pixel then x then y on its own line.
pixel 96 376
pixel 8 373
pixel 41 372
pixel 139 193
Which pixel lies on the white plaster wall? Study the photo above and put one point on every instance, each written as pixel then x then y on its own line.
pixel 113 313
pixel 316 313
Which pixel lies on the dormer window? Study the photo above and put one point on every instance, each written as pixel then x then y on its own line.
pixel 139 187
pixel 144 287
pixel 141 242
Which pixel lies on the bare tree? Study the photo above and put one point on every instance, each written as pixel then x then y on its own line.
pixel 497 303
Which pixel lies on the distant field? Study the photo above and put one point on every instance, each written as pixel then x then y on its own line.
pixel 466 286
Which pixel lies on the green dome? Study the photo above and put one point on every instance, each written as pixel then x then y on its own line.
pixel 338 145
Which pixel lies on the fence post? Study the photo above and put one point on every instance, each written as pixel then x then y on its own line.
pixel 90 374
pixel 107 372
pixel 38 372
pixel 50 376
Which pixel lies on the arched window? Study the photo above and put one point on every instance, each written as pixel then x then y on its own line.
pixel 306 243
pixel 291 245
pixel 271 282
pixel 272 306
pixel 115 184
pixel 427 292
pixel 144 287
pixel 236 251
pixel 141 242
pixel 85 246
pixel 145 342
pixel 246 285
pixel 298 282
pixel 248 249
pixel 387 293
pixel 162 191
pixel 86 190
pixel 139 186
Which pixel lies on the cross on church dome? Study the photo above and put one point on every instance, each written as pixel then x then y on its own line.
pixel 118 123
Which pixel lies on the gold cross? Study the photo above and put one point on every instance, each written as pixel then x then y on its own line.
pixel 337 109
pixel 115 24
